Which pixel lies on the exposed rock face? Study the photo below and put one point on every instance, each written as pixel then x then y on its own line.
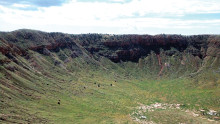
pixel 214 46
pixel 132 47
pixel 115 47
pixel 7 48
pixel 136 46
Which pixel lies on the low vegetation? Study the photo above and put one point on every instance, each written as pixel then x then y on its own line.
pixel 70 84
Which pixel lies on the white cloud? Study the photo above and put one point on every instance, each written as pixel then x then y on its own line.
pixel 118 0
pixel 20 5
pixel 117 17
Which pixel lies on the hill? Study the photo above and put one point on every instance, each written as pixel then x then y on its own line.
pixel 102 78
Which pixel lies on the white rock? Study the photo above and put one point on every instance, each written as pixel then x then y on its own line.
pixel 212 112
pixel 143 117
pixel 195 115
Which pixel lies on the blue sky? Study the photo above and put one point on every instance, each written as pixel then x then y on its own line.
pixel 185 17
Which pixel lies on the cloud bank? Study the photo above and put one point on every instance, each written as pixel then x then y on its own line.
pixel 113 16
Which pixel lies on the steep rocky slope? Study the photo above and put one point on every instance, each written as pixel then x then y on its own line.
pixel 37 69
pixel 188 50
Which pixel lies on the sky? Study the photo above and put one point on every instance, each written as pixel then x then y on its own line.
pixel 186 17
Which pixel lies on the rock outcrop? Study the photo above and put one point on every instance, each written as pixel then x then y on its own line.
pixel 115 47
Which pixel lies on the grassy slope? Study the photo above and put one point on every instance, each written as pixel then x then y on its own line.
pixel 32 95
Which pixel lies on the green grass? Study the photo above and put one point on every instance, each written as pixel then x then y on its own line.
pixel 36 92
pixel 113 104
